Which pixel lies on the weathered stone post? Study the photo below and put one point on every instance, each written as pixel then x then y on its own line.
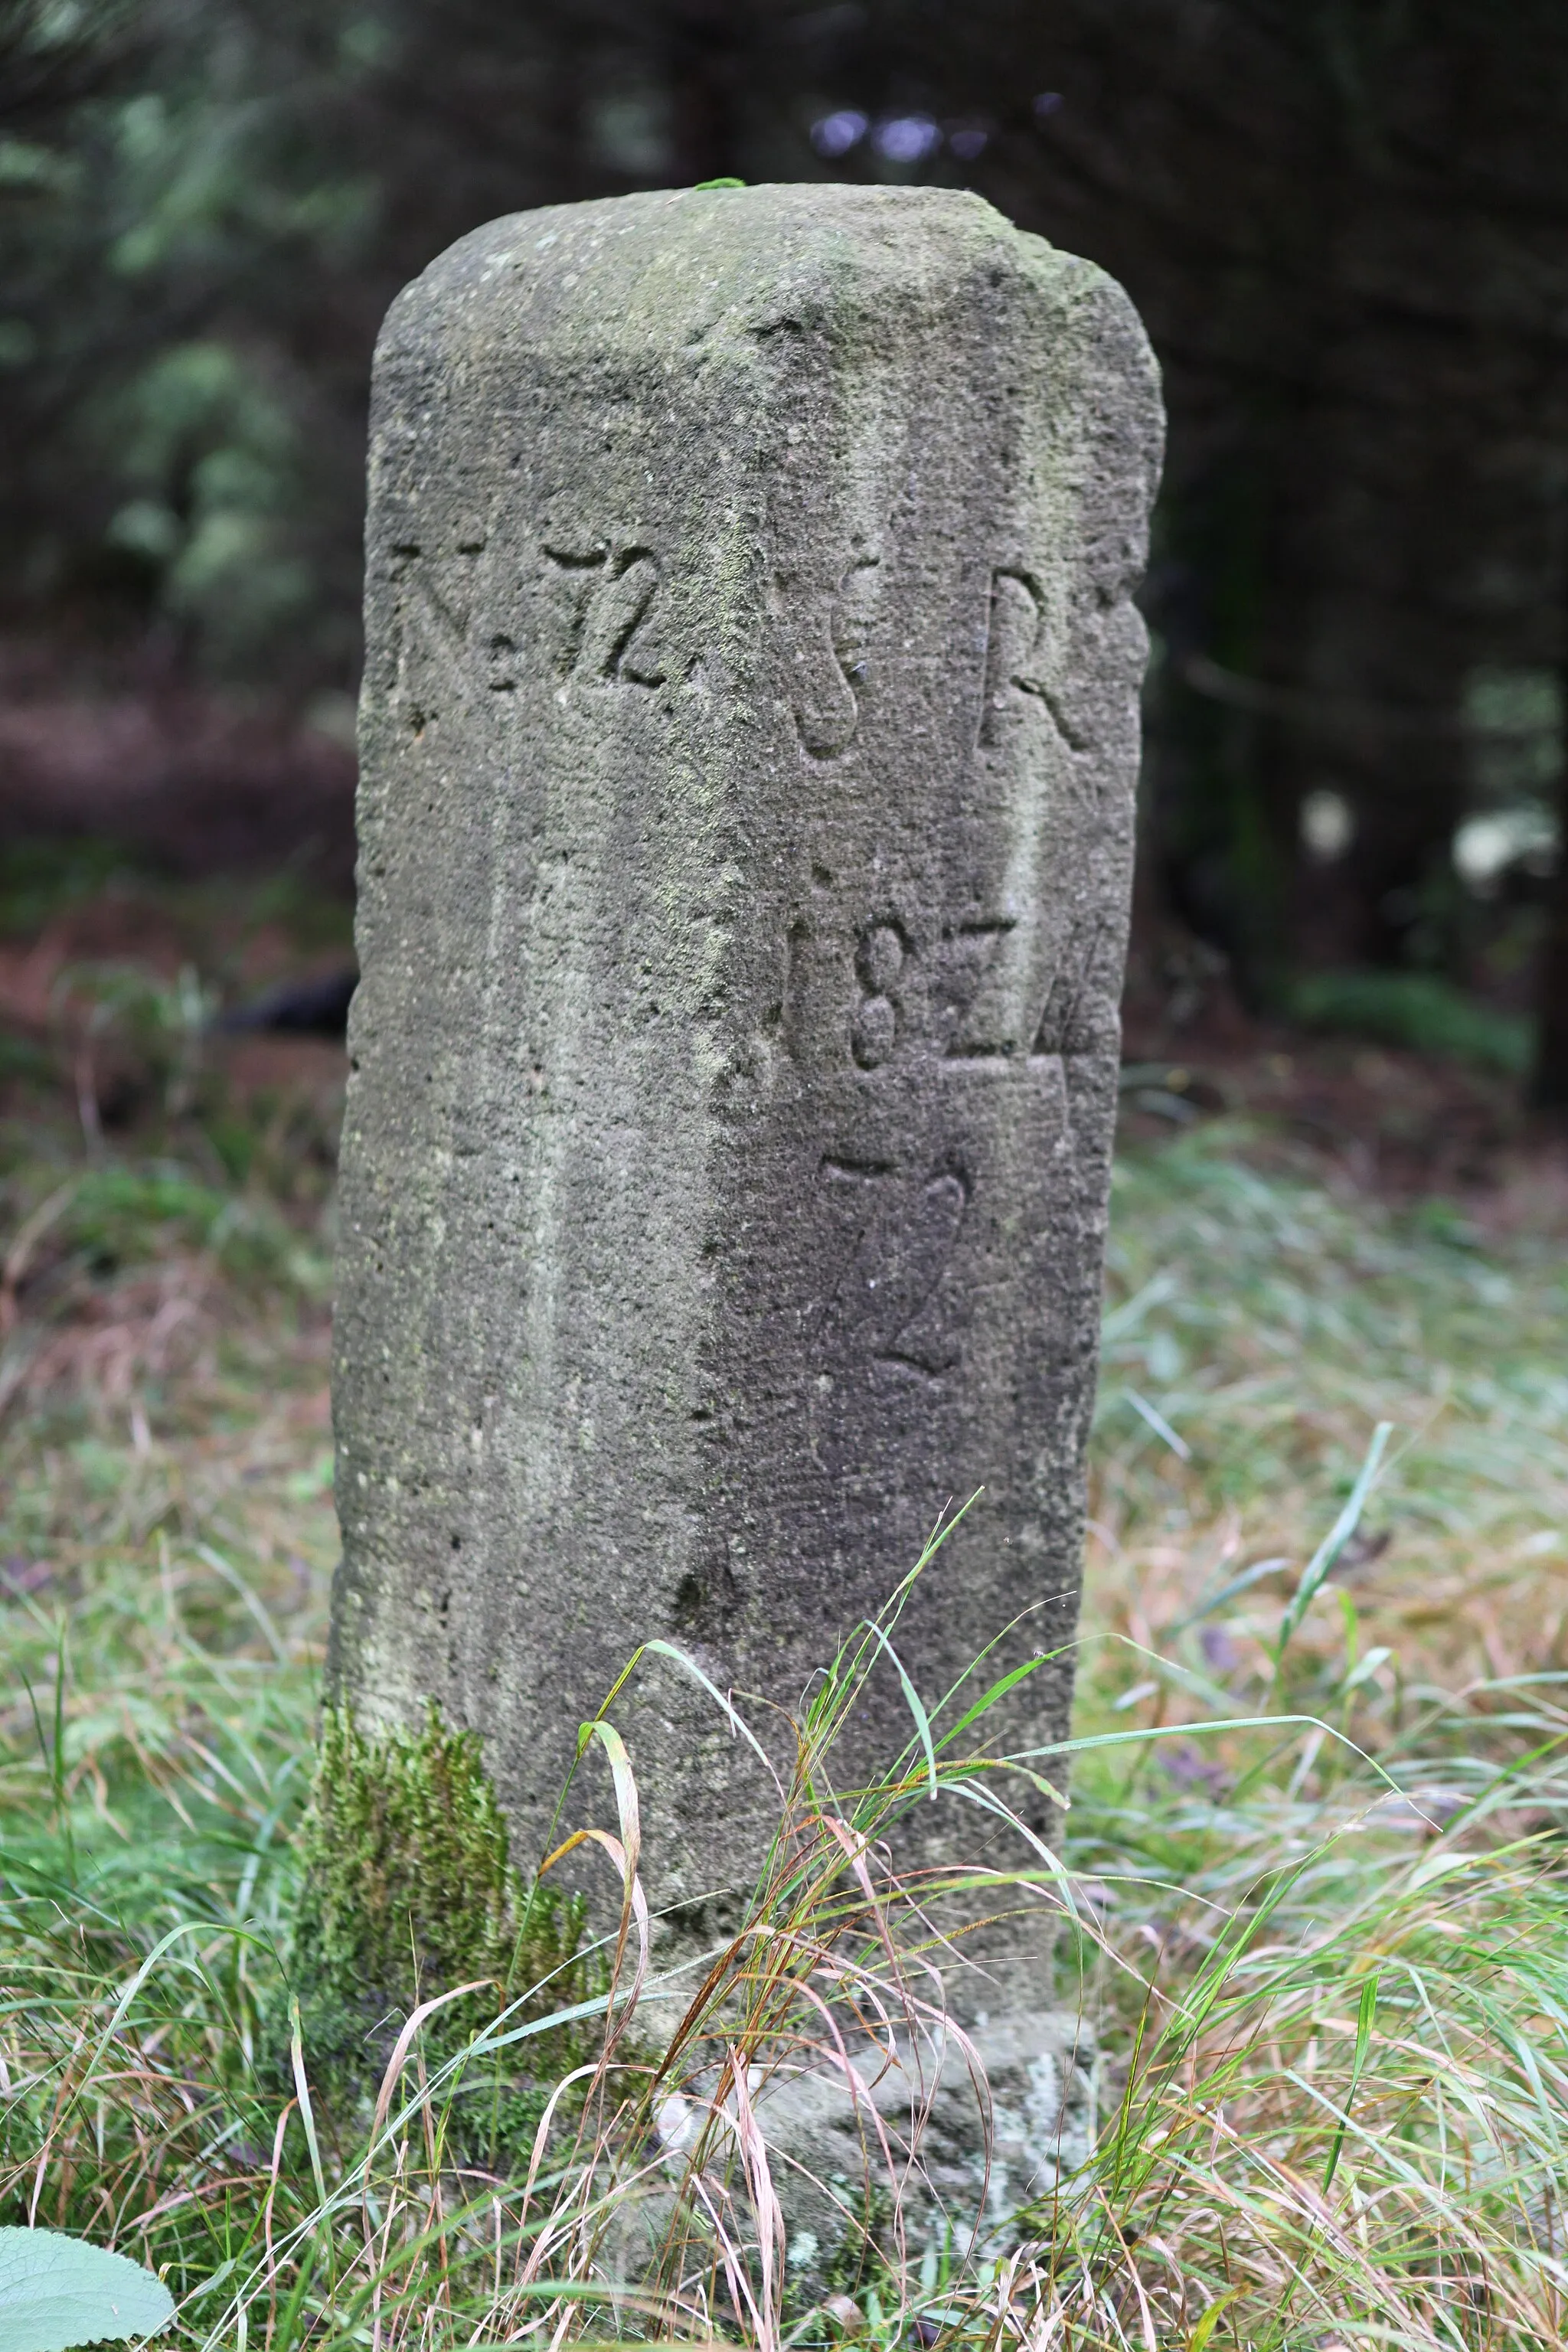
pixel 750 730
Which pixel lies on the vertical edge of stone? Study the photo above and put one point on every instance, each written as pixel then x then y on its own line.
pixel 412 332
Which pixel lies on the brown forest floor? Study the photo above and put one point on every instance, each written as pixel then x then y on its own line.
pixel 1391 1123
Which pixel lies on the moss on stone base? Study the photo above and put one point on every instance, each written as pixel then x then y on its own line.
pixel 408 1890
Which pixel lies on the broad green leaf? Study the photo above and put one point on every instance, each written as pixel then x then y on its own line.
pixel 57 2293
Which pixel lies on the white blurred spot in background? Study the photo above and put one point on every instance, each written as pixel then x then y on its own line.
pixel 836 133
pixel 906 138
pixel 1327 824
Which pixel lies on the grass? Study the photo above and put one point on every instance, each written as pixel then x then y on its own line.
pixel 1313 1890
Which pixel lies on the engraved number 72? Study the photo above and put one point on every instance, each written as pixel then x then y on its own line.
pixel 612 639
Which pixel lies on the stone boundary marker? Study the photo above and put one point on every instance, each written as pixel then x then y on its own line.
pixel 749 739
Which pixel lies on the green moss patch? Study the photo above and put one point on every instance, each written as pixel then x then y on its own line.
pixel 408 1891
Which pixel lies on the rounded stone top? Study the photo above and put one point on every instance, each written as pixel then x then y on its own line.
pixel 682 265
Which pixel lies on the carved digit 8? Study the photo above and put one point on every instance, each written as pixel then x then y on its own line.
pixel 878 961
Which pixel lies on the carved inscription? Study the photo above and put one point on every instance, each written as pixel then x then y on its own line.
pixel 462 627
pixel 1013 631
pixel 435 592
pixel 964 998
pixel 874 1027
pixel 830 654
pixel 887 1306
pixel 604 605
pixel 1015 661
pixel 606 614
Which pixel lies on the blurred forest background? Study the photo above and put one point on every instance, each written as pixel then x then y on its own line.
pixel 1344 221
